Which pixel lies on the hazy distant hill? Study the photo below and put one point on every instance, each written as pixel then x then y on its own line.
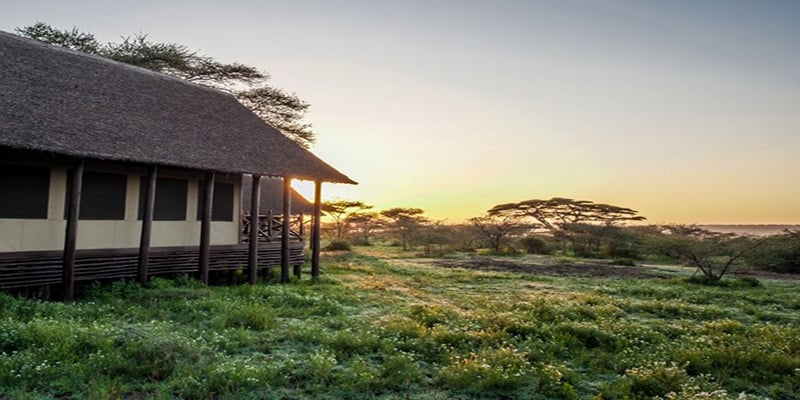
pixel 760 230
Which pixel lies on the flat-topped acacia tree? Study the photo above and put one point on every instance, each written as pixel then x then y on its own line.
pixel 558 214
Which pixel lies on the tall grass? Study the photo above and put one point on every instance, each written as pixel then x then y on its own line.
pixel 384 326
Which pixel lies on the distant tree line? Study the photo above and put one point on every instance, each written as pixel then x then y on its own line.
pixel 566 227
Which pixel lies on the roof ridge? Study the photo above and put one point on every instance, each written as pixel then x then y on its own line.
pixel 100 58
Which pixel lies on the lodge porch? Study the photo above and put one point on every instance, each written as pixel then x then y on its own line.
pixel 36 269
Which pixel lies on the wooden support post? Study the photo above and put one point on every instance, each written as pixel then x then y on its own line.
pixel 255 202
pixel 287 211
pixel 147 224
pixel 315 230
pixel 71 234
pixel 297 270
pixel 205 228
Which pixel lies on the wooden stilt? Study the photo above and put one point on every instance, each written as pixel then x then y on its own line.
pixel 205 228
pixel 315 230
pixel 287 211
pixel 255 202
pixel 147 224
pixel 71 234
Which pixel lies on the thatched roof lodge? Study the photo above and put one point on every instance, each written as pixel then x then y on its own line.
pixel 149 164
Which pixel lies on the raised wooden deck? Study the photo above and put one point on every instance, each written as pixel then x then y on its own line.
pixel 40 268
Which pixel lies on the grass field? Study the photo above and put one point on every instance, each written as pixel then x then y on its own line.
pixel 381 325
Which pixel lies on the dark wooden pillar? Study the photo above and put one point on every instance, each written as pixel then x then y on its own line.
pixel 255 202
pixel 287 211
pixel 205 228
pixel 315 230
pixel 71 233
pixel 147 224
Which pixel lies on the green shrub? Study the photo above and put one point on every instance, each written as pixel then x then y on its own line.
pixel 627 262
pixel 779 253
pixel 251 316
pixel 535 245
pixel 488 372
pixel 398 371
pixel 656 380
pixel 338 245
pixel 747 281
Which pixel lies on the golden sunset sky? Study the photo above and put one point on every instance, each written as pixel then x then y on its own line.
pixel 686 111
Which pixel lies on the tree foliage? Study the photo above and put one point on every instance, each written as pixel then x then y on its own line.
pixel 364 225
pixel 281 109
pixel 593 240
pixel 432 233
pixel 404 222
pixel 559 214
pixel 713 253
pixel 339 210
pixel 496 228
pixel 779 253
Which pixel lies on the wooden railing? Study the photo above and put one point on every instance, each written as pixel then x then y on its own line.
pixel 270 228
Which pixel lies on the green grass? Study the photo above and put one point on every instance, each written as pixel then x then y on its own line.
pixel 380 325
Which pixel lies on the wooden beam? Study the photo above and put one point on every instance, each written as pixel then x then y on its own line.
pixel 315 230
pixel 147 224
pixel 71 234
pixel 205 227
pixel 255 202
pixel 287 211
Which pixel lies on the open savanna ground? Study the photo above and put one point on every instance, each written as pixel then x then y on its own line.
pixel 381 324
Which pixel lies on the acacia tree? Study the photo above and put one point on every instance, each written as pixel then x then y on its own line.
pixel 432 233
pixel 593 240
pixel 339 211
pixel 713 253
pixel 497 227
pixel 283 110
pixel 404 222
pixel 557 213
pixel 365 224
pixel 780 252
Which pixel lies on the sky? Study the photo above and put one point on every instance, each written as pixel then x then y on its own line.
pixel 687 111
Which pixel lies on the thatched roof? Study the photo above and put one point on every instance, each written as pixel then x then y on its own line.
pixel 272 197
pixel 64 102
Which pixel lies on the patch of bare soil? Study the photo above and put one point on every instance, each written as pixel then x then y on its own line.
pixel 586 269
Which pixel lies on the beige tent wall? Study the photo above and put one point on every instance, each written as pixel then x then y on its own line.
pixel 48 234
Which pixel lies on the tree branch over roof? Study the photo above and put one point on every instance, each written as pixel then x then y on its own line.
pixel 281 109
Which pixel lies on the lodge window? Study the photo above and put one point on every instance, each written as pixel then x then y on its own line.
pixel 221 206
pixel 25 192
pixel 170 202
pixel 102 196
